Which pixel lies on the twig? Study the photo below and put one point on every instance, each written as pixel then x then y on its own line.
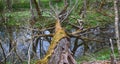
pixel 29 53
pixel 8 54
pixel 53 9
pixel 73 25
pixel 15 61
pixel 37 29
pixel 18 57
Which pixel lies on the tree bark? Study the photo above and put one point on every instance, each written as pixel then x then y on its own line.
pixel 39 3
pixel 85 7
pixel 117 25
pixel 58 51
pixel 9 4
pixel 37 8
pixel 62 54
pixel 3 51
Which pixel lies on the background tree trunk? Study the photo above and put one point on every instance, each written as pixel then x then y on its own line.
pixel 85 7
pixel 9 4
pixel 117 25
pixel 37 8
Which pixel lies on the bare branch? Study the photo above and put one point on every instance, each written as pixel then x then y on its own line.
pixel 53 9
pixel 37 8
pixel 68 13
pixel 113 57
pixel 3 52
pixel 9 53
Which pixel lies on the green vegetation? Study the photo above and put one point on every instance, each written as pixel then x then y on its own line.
pixel 98 13
pixel 93 18
pixel 17 18
pixel 103 54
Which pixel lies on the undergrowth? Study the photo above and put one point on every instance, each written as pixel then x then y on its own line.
pixel 103 54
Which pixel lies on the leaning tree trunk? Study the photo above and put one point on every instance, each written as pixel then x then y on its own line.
pixel 58 52
pixel 62 54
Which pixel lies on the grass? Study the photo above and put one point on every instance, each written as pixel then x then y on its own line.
pixel 103 54
pixel 17 18
pixel 21 18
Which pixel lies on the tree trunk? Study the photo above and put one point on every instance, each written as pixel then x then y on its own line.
pixel 39 3
pixel 37 8
pixel 85 7
pixel 58 51
pixel 31 9
pixel 9 4
pixel 117 25
pixel 62 53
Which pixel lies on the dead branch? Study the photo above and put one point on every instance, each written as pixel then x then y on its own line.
pixel 18 56
pixel 68 13
pixel 3 52
pixel 65 8
pixel 8 54
pixel 33 16
pixel 113 57
pixel 105 14
pixel 71 35
pixel 37 8
pixel 73 25
pixel 76 45
pixel 29 57
pixel 102 4
pixel 34 29
pixel 53 9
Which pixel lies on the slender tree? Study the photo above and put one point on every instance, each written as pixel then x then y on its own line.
pixel 9 4
pixel 85 7
pixel 117 24
pixel 37 8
